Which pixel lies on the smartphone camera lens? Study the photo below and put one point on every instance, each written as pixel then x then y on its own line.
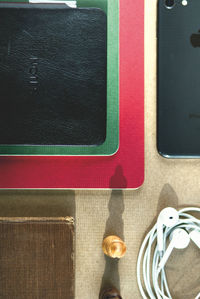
pixel 169 3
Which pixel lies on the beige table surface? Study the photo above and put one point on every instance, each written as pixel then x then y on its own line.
pixel 130 213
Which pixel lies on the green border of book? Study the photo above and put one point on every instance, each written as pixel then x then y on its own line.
pixel 111 144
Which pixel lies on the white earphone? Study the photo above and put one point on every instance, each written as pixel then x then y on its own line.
pixel 168 217
pixel 180 239
pixel 181 228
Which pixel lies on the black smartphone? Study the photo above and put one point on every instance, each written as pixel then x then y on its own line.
pixel 178 78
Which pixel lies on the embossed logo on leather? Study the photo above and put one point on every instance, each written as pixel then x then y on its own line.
pixel 33 71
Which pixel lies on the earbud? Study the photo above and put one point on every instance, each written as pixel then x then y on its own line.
pixel 195 237
pixel 168 217
pixel 180 239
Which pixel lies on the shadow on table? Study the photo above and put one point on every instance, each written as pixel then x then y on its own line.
pixel 114 226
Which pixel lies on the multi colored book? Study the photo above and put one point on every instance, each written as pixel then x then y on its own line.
pixel 124 168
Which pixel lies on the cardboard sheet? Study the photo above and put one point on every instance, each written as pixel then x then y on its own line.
pixel 130 214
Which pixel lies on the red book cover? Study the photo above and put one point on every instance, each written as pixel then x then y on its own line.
pixel 125 169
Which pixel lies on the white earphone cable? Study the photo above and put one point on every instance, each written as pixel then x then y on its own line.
pixel 152 281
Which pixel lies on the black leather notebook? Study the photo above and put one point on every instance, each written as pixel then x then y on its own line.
pixel 52 75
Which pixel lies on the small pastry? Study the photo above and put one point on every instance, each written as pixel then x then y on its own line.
pixel 114 247
pixel 110 293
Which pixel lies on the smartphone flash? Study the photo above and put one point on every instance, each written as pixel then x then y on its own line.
pixel 184 2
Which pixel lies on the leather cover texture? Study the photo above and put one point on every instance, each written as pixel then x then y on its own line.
pixel 53 75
